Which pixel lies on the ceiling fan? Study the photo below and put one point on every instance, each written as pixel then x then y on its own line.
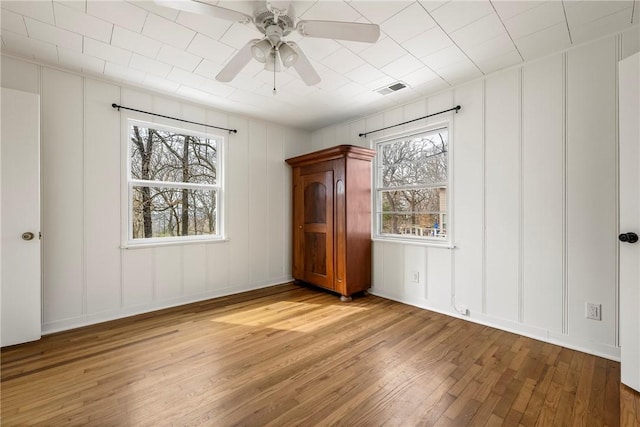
pixel 276 21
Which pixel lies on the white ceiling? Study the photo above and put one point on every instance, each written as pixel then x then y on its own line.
pixel 429 45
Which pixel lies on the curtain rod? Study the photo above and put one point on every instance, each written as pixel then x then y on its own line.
pixel 118 107
pixel 456 108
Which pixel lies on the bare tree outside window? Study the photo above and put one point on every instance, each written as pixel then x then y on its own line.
pixel 412 179
pixel 174 182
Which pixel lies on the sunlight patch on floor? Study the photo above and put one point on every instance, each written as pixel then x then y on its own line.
pixel 291 316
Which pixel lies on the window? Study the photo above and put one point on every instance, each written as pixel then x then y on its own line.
pixel 412 186
pixel 174 184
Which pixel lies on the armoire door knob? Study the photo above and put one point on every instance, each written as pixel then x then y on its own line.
pixel 628 237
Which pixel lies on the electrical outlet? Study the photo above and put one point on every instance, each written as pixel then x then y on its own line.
pixel 593 311
pixel 415 276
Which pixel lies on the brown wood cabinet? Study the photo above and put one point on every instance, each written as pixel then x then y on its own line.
pixel 332 218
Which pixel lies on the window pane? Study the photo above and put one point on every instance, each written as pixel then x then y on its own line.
pixel 166 212
pixel 422 200
pixel 161 155
pixel 413 224
pixel 421 159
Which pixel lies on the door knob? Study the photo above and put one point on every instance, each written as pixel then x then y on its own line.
pixel 27 236
pixel 628 237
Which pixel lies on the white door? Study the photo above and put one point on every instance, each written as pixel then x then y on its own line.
pixel 629 96
pixel 20 217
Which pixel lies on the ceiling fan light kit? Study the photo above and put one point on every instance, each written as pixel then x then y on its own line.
pixel 276 21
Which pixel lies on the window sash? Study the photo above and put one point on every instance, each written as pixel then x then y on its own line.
pixel 440 234
pixel 217 188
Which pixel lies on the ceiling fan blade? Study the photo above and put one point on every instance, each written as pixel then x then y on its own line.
pixel 353 31
pixel 304 67
pixel 237 63
pixel 201 8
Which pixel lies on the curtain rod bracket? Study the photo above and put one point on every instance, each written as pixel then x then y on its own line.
pixel 118 107
pixel 456 108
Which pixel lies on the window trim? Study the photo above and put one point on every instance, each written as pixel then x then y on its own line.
pixel 128 242
pixel 411 239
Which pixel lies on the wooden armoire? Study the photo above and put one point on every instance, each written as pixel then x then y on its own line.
pixel 332 219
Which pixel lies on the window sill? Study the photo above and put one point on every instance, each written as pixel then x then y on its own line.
pixel 414 242
pixel 147 245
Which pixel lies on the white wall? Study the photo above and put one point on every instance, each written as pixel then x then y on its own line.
pixel 87 278
pixel 535 199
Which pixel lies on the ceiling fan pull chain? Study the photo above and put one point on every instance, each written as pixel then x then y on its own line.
pixel 274 79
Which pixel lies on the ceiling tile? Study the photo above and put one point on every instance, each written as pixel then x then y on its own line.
pixel 508 9
pixel 106 51
pixel 207 69
pixel 207 25
pixel 50 34
pixel 584 12
pixel 444 58
pixel 459 72
pixel 342 61
pixel 178 58
pixel 379 83
pixel 136 42
pixel 210 49
pixel 318 49
pixel 185 78
pixel 41 11
pixel 239 35
pixel 150 66
pixel 332 80
pixel 408 23
pixel 28 47
pixel 431 5
pixel 601 27
pixel 533 20
pixel 402 66
pixel 161 84
pixel 382 53
pixel 490 48
pixel 428 42
pixel 330 11
pixel 123 73
pixel 479 31
pixel 150 6
pixel 13 22
pixel 167 32
pixel 366 73
pixel 543 42
pixel 86 63
pixel 216 88
pixel 456 14
pixel 79 5
pixel 193 93
pixel 489 65
pixel 118 12
pixel 378 11
pixel 81 23
pixel 419 77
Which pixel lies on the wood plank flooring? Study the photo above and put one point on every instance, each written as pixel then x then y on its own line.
pixel 289 355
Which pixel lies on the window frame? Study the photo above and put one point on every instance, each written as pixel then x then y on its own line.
pixel 128 184
pixel 377 189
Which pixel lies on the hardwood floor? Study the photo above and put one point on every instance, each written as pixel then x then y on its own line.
pixel 289 355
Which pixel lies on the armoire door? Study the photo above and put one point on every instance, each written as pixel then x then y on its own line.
pixel 316 226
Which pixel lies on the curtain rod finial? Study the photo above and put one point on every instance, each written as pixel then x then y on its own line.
pixel 114 105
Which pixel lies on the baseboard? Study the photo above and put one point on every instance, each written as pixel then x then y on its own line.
pixel 551 337
pixel 105 316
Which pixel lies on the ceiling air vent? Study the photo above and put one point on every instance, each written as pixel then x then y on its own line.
pixel 391 88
